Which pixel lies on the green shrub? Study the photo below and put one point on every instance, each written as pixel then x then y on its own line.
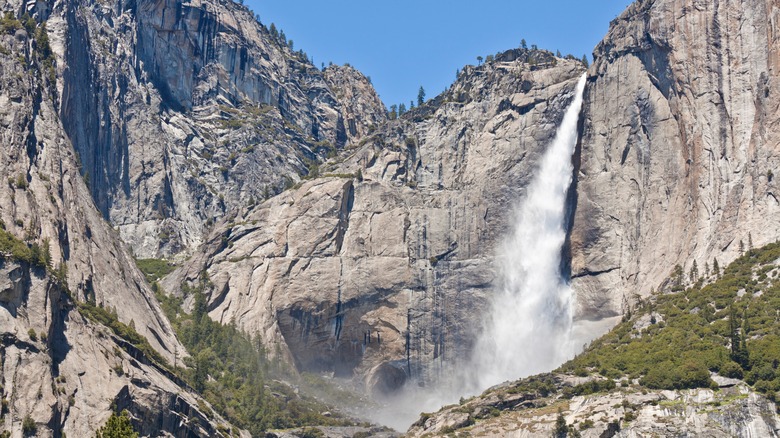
pixel 117 426
pixel 154 269
pixel 21 182
pixel 9 24
pixel 28 426
pixel 731 370
pixel 39 255
pixel 310 432
pixel 33 336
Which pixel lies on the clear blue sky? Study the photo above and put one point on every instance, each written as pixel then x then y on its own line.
pixel 404 44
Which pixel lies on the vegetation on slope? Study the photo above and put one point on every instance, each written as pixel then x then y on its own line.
pixel 17 250
pixel 154 269
pixel 230 369
pixel 730 326
pixel 726 322
pixel 40 256
pixel 117 426
pixel 110 319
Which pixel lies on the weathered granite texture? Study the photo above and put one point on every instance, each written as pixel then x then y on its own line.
pixel 679 146
pixel 182 111
pixel 57 368
pixel 382 266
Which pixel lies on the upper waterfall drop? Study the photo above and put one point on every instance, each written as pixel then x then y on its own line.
pixel 528 330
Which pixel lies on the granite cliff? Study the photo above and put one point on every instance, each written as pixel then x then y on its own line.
pixel 350 243
pixel 678 146
pixel 183 111
pixel 381 267
pixel 60 370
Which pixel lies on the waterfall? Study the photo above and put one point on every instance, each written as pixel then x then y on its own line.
pixel 528 329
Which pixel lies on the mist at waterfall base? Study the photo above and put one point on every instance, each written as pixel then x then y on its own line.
pixel 529 327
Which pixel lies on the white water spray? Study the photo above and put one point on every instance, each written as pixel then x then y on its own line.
pixel 529 328
pixel 530 324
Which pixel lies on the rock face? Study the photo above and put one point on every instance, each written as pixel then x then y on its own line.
pixel 382 266
pixel 189 123
pixel 182 111
pixel 675 165
pixel 731 411
pixel 679 146
pixel 64 373
pixel 56 368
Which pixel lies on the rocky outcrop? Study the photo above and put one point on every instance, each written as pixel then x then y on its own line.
pixel 734 410
pixel 45 201
pixel 66 375
pixel 382 266
pixel 678 151
pixel 183 111
pixel 58 370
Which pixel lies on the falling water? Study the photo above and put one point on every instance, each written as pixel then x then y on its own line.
pixel 529 327
pixel 528 330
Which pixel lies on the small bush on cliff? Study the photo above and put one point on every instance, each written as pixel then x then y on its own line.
pixel 11 246
pixel 117 426
pixel 29 427
pixel 9 24
pixel 109 319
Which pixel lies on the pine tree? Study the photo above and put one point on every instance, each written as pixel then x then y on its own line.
pixel 694 274
pixel 750 242
pixel 401 109
pixel 678 276
pixel 420 96
pixel 739 352
pixel 558 53
pixel 273 31
pixel 585 61
pixel 715 267
pixel 393 112
pixel 523 45
pixel 741 248
pixel 479 60
pixel 561 430
pixel 117 426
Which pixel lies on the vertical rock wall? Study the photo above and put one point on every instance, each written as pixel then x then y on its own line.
pixel 678 153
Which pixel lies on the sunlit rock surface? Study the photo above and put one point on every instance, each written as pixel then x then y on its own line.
pixel 383 269
pixel 679 148
pixel 56 368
